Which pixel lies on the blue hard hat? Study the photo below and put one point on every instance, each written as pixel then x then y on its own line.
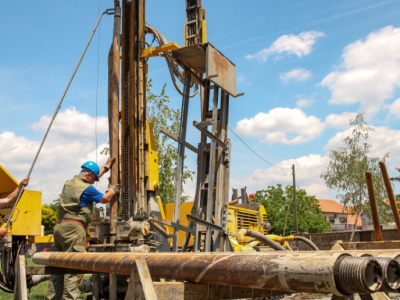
pixel 93 167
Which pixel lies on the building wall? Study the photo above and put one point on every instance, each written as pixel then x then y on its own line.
pixel 338 221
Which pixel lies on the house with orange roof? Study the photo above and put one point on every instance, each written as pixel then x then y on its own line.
pixel 341 219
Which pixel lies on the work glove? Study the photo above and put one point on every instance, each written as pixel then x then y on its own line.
pixel 24 182
pixel 115 188
pixel 109 163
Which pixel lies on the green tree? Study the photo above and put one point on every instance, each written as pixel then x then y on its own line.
pixel 161 115
pixel 396 179
pixel 54 205
pixel 49 219
pixel 278 203
pixel 346 172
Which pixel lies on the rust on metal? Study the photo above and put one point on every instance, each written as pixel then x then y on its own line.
pixel 206 59
pixel 310 272
pixel 218 64
pixel 193 57
pixel 392 197
pixel 372 203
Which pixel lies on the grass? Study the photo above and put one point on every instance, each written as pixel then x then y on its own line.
pixel 37 292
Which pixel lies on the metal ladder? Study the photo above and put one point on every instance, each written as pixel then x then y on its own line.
pixel 194 20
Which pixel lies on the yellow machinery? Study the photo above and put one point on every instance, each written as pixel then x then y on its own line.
pixel 25 226
pixel 136 222
pixel 27 217
pixel 249 216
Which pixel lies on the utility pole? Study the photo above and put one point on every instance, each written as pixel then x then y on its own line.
pixel 294 200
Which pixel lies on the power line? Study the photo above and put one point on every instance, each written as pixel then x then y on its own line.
pixel 256 152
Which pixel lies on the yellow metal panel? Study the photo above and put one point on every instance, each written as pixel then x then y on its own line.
pixel 156 51
pixel 7 182
pixel 204 27
pixel 152 163
pixel 41 239
pixel 186 208
pixel 27 216
pixel 245 218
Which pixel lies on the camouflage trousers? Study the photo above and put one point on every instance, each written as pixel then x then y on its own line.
pixel 67 238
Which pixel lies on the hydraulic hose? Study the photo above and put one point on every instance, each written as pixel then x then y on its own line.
pixel 307 241
pixel 172 65
pixel 261 237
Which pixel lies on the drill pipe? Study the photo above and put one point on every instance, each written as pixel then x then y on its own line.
pixel 388 259
pixel 391 274
pixel 311 272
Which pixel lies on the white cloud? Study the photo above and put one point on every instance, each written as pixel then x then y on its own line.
pixel 70 142
pixel 66 123
pixel 304 102
pixel 307 170
pixel 383 140
pixel 370 71
pixel 341 121
pixel 394 108
pixel 291 44
pixel 299 74
pixel 282 125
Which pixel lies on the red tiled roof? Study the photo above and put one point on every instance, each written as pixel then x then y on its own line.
pixel 332 206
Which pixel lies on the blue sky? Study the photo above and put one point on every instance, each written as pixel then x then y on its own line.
pixel 305 67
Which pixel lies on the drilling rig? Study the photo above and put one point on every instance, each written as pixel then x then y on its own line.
pixel 139 226
pixel 200 65
pixel 198 254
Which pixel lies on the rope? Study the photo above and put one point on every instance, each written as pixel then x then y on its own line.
pixel 97 82
pixel 108 12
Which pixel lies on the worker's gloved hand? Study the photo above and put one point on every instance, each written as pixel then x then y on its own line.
pixel 109 163
pixel 25 181
pixel 115 188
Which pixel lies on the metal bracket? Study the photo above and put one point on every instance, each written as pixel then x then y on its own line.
pixel 209 134
pixel 204 222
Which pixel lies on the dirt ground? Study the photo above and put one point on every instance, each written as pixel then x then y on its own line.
pixel 305 296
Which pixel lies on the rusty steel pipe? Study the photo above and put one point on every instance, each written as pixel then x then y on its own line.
pixel 392 197
pixel 372 203
pixel 113 114
pixel 311 272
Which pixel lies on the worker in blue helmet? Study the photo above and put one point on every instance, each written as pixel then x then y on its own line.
pixel 75 208
pixel 92 167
